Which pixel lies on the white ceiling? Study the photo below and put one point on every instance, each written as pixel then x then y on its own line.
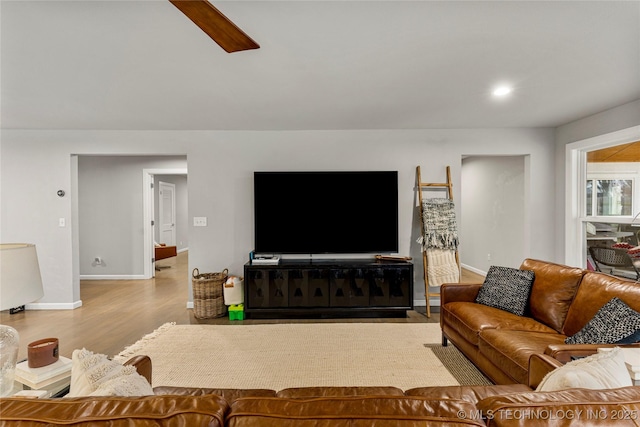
pixel 131 64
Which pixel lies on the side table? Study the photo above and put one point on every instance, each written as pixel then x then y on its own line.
pixel 55 379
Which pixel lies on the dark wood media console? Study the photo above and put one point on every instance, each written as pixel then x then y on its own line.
pixel 347 288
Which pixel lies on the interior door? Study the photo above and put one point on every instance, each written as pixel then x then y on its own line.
pixel 167 214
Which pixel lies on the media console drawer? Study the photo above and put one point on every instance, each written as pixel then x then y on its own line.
pixel 322 288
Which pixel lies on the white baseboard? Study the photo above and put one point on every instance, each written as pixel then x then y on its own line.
pixel 183 250
pixel 435 301
pixel 53 305
pixel 113 277
pixel 473 269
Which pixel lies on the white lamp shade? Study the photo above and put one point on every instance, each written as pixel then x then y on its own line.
pixel 20 280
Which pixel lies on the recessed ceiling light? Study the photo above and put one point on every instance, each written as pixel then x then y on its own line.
pixel 501 91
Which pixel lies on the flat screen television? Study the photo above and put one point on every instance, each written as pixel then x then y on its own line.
pixel 326 212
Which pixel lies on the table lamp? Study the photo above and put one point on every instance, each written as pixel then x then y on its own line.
pixel 20 280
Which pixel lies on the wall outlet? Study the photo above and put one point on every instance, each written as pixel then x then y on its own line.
pixel 488 257
pixel 199 221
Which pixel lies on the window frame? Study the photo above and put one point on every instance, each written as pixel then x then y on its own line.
pixel 599 176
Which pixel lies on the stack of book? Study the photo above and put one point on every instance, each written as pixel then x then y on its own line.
pixel 54 378
pixel 632 360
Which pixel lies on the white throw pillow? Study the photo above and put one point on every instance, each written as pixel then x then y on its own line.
pixel 125 385
pixel 598 371
pixel 96 375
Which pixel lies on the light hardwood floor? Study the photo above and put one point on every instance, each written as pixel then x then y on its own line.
pixel 115 314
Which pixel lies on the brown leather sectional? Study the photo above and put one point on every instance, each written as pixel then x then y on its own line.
pixel 563 299
pixel 517 352
pixel 499 405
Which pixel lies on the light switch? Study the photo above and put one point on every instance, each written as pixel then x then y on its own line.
pixel 199 221
pixel 61 222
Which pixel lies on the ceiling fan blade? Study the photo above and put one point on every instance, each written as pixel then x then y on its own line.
pixel 216 25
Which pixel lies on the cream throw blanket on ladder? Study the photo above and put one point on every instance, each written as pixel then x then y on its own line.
pixel 442 267
pixel 440 241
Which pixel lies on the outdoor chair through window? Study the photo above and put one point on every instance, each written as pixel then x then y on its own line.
pixel 614 258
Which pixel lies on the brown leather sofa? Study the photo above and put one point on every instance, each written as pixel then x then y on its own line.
pixel 563 299
pixel 516 352
pixel 497 405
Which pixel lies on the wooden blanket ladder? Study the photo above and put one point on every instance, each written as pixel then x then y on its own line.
pixel 426 186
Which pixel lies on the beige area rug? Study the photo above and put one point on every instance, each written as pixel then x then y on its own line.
pixel 277 356
pixel 458 365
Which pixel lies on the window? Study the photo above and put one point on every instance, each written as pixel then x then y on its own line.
pixel 609 197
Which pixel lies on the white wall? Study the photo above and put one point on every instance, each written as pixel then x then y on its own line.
pixel 493 214
pixel 612 120
pixel 34 164
pixel 110 220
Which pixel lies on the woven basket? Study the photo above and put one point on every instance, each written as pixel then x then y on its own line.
pixel 208 285
pixel 209 308
pixel 208 301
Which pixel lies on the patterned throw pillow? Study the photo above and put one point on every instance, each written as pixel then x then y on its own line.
pixel 631 339
pixel 613 323
pixel 507 289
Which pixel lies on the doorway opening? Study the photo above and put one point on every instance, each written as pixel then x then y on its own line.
pixel 166 213
pixel 495 201
pixel 164 203
pixel 112 218
pixel 576 219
